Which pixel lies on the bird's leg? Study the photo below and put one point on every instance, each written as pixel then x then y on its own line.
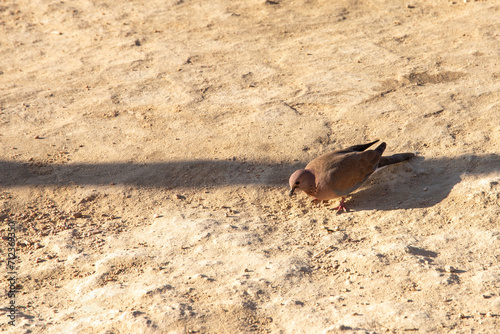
pixel 341 206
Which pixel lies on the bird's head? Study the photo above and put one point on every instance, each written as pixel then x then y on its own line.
pixel 302 179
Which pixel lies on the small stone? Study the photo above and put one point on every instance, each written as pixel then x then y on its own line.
pixel 450 269
pixel 77 215
pixel 344 328
pixel 179 196
pixel 39 259
pixel 462 316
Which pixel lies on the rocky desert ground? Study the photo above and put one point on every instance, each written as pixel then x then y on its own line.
pixel 146 146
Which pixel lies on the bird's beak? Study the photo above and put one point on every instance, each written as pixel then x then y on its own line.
pixel 291 191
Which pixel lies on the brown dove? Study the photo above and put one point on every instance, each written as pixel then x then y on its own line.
pixel 338 173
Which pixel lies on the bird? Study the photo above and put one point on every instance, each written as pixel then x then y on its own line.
pixel 339 173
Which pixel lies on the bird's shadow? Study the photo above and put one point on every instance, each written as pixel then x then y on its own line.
pixel 422 183
pixel 414 184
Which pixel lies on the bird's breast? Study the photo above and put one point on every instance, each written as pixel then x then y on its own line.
pixel 311 191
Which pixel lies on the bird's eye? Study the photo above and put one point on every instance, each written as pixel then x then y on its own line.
pixel 297 183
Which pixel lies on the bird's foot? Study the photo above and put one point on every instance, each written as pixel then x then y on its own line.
pixel 341 206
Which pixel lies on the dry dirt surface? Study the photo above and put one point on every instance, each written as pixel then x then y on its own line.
pixel 146 146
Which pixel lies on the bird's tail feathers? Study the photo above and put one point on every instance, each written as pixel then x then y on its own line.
pixel 381 148
pixel 394 159
pixel 359 148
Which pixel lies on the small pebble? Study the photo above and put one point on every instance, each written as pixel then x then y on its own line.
pixel 344 328
pixel 450 269
pixel 77 214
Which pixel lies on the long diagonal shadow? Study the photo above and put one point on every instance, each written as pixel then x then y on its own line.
pixel 172 174
pixel 427 182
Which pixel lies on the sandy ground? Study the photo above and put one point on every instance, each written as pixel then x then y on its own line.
pixel 145 150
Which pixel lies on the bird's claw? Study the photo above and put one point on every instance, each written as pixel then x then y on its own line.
pixel 341 206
